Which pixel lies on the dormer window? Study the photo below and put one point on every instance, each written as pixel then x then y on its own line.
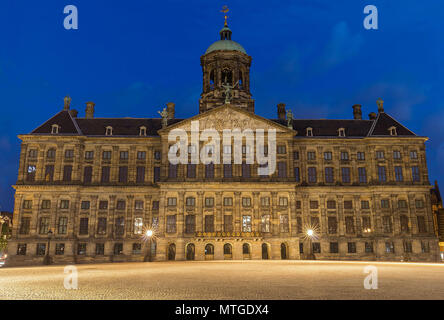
pixel 142 131
pixel 309 132
pixel 392 131
pixel 341 132
pixel 55 129
pixel 109 131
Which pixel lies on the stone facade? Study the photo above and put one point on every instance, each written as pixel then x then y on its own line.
pixel 97 183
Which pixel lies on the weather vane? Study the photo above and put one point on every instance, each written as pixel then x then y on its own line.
pixel 225 11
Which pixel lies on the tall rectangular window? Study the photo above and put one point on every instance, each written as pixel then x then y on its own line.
pixel 100 249
pixel 246 224
pixel 345 175
pixel 140 174
pixel 44 225
pixel 421 224
pixel 141 155
pixel 362 173
pixel 87 174
pixel 387 224
pixel 62 227
pixel 311 155
pixel 228 223
pixel 265 223
pixel 312 175
pixel 329 175
pixel 382 174
pixel 49 173
pixel 360 156
pixel 172 171
pixel 228 173
pixel 190 223
pixel 415 174
pixel 327 155
pixel 246 170
pixel 332 225
pixel 138 225
pixel 209 171
pixel 284 223
pixel 171 224
pixel 282 170
pixel 30 174
pixel 123 155
pixel 404 223
pixel 398 174
pixel 349 225
pixel 191 170
pixel 344 155
pixel 120 226
pixel 105 174
pixel 101 225
pixel 83 230
pixel 67 173
pixel 366 224
pixel 25 224
pixel 209 223
pixel 106 155
pixel 123 174
pixel 297 175
pixel 156 174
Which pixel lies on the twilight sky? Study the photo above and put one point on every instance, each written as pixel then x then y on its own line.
pixel 132 57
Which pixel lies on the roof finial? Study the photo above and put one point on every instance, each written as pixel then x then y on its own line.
pixel 380 104
pixel 225 10
pixel 67 102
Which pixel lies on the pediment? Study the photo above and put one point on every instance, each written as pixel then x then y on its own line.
pixel 229 117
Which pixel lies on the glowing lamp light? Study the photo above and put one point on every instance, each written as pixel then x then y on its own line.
pixel 149 233
pixel 310 232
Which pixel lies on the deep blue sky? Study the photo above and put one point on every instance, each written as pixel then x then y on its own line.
pixel 132 57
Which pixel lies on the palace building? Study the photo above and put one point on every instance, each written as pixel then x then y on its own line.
pixel 88 188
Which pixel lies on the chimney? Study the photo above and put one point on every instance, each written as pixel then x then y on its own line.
pixel 281 111
pixel 372 116
pixel 380 104
pixel 89 112
pixel 73 113
pixel 171 109
pixel 357 113
pixel 67 103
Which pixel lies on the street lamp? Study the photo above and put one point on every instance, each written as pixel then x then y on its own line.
pixel 47 260
pixel 149 236
pixel 310 235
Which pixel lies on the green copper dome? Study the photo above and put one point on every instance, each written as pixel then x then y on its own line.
pixel 225 43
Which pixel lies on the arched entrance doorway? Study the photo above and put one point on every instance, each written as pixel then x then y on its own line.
pixel 265 251
pixel 228 251
pixel 172 251
pixel 209 252
pixel 246 252
pixel 284 251
pixel 190 251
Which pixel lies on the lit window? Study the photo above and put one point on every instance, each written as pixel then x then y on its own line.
pixel 138 226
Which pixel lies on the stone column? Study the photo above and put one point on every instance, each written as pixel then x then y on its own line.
pixel 219 217
pixel 199 211
pixel 256 212
pixel 274 215
pixel 22 164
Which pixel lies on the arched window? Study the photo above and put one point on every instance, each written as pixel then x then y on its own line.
pixel 392 131
pixel 227 76
pixel 341 132
pixel 241 80
pixel 142 131
pixel 227 248
pixel 309 132
pixel 246 248
pixel 55 128
pixel 209 249
pixel 190 251
pixel 109 131
pixel 212 80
